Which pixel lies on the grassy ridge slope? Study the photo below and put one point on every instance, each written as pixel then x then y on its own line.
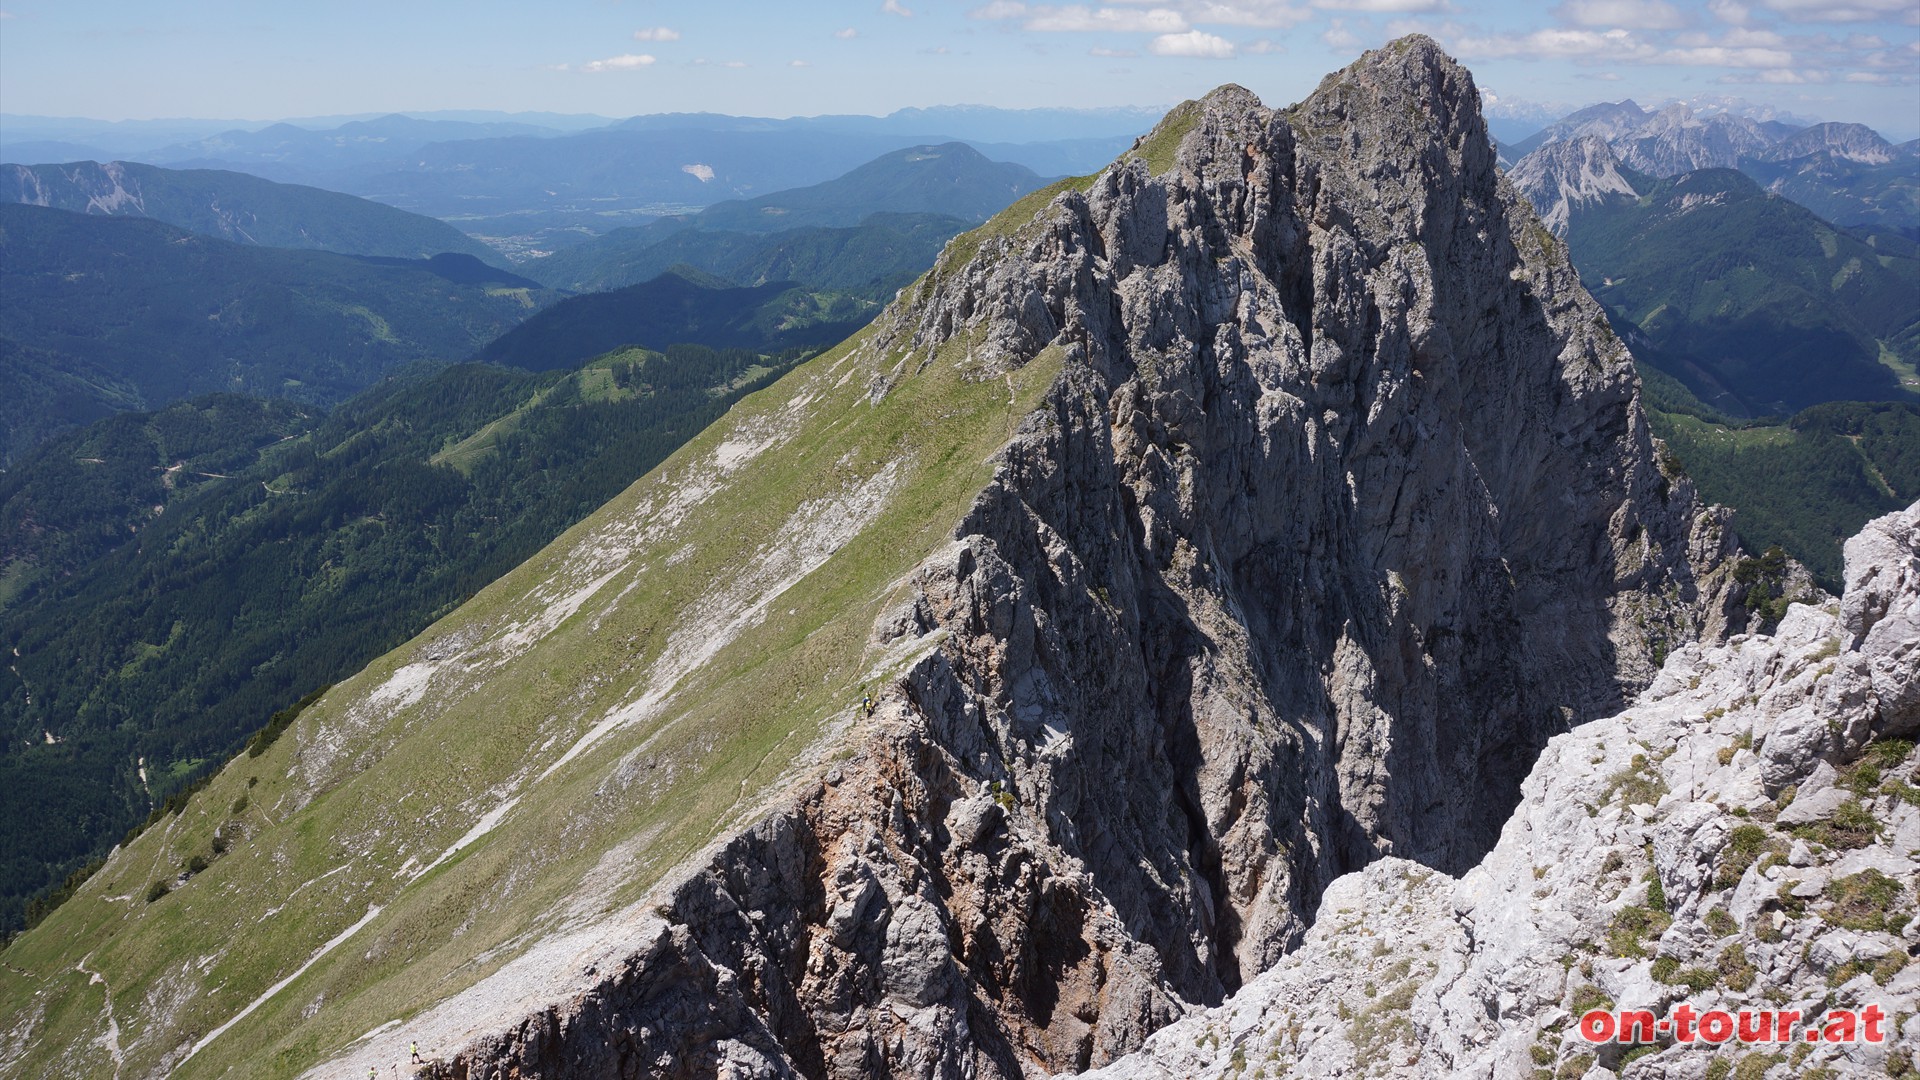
pixel 165 638
pixel 608 708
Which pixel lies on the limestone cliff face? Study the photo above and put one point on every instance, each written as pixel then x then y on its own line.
pixel 1745 836
pixel 1342 506
pixel 1562 177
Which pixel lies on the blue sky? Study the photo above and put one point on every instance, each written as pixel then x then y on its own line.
pixel 111 59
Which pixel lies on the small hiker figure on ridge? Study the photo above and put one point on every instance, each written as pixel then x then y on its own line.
pixel 414 1048
pixel 867 704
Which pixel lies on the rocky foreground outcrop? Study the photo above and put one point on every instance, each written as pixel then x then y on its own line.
pixel 1341 507
pixel 1744 836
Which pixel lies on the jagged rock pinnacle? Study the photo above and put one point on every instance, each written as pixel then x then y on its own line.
pixel 1341 505
pixel 1203 530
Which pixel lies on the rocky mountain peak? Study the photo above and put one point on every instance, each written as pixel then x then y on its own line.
pixel 1340 505
pixel 1561 177
pixel 1192 534
pixel 1848 142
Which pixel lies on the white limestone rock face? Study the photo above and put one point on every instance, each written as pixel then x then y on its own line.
pixel 1656 857
pixel 1562 177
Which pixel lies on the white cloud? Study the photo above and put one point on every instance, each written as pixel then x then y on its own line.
pixel 1117 53
pixel 1192 43
pixel 1339 37
pixel 893 7
pixel 656 33
pixel 1873 77
pixel 1077 17
pixel 735 64
pixel 1737 36
pixel 1633 14
pixel 1847 10
pixel 1378 5
pixel 847 34
pixel 629 62
pixel 798 63
pixel 1731 12
pixel 999 9
pixel 1260 13
pixel 1604 76
pixel 1263 47
pixel 1722 56
pixel 1562 44
pixel 1778 77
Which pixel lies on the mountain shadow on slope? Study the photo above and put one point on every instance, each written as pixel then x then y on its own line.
pixel 683 304
pixel 870 260
pixel 917 189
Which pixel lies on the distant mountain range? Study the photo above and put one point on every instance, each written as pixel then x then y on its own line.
pixel 683 305
pixel 1846 173
pixel 527 186
pixel 870 230
pixel 1751 300
pixel 112 312
pixel 1741 304
pixel 238 207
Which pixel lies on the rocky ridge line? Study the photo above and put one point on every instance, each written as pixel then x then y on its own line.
pixel 1342 506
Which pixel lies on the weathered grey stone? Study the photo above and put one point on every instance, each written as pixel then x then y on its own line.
pixel 1537 926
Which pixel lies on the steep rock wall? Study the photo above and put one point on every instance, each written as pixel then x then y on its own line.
pixel 1342 507
pixel 1745 836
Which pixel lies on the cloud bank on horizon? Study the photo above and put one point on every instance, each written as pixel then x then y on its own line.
pixel 1834 59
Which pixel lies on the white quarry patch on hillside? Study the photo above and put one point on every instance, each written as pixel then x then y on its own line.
pixel 702 173
pixel 557 611
pixel 1652 861
pixel 339 737
pixel 332 944
pixel 487 823
pixel 403 688
pixel 734 453
pixel 803 543
pixel 117 201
